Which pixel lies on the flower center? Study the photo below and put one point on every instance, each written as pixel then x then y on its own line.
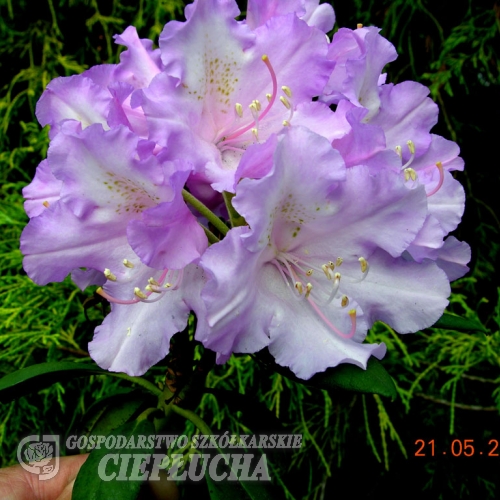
pixel 410 173
pixel 228 139
pixel 169 280
pixel 319 285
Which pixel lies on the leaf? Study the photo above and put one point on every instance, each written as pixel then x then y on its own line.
pixel 451 322
pixel 104 474
pixel 36 377
pixel 374 380
pixel 113 411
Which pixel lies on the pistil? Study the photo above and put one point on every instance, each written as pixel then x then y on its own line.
pixel 439 166
pixel 255 108
pixel 292 269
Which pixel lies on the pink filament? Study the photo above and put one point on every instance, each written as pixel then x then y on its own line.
pixel 439 165
pixel 331 325
pixel 102 293
pixel 268 107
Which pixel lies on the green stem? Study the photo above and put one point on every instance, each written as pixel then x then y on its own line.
pixel 146 413
pixel 55 27
pixel 192 417
pixel 138 381
pixel 205 211
pixel 235 218
pixel 211 236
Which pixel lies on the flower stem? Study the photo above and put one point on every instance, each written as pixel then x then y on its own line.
pixel 146 384
pixel 193 418
pixel 205 211
pixel 211 236
pixel 235 218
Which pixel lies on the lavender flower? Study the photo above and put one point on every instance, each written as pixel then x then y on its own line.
pixel 339 219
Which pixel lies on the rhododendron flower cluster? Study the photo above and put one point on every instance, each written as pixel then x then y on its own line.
pixel 256 173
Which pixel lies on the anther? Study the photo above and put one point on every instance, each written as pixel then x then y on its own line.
pixel 298 287
pixel 345 301
pixel 45 204
pixel 255 106
pixel 152 281
pixel 152 288
pixel 255 132
pixel 129 331
pixel 239 109
pixel 327 270
pixel 331 265
pixel 287 91
pixel 109 275
pixel 439 165
pixel 139 293
pixel 411 174
pixel 128 264
pixel 268 96
pixel 309 287
pixel 286 123
pixel 254 124
pixel 339 261
pixel 167 285
pixel 254 109
pixel 359 26
pixel 309 272
pixel 411 148
pixel 399 151
pixel 285 102
pixel 364 264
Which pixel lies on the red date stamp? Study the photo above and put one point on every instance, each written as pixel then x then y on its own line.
pixel 457 448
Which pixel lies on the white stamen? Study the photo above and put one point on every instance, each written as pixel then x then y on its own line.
pixel 239 109
pixel 255 133
pixel 138 293
pixel 335 289
pixel 399 151
pixel 287 91
pixel 128 264
pixel 364 264
pixel 308 290
pixel 268 96
pixel 410 174
pixel 327 270
pixel 152 281
pixel 339 261
pixel 109 275
pixel 298 287
pixel 285 102
pixel 411 148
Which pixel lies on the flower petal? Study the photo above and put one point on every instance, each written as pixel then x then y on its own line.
pixel 406 295
pixel 44 188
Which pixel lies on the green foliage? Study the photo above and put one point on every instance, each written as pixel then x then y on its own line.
pixel 447 381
